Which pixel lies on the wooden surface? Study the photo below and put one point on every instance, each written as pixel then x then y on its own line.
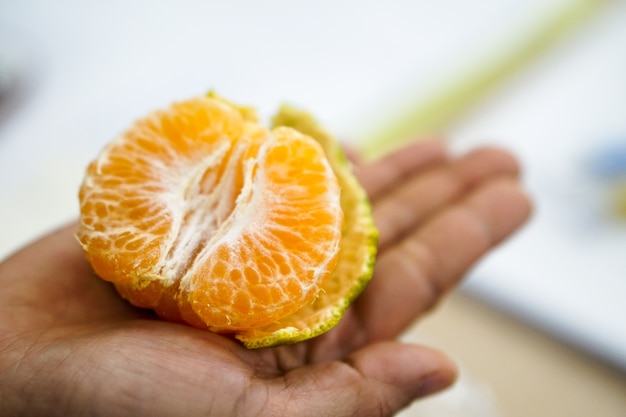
pixel 517 370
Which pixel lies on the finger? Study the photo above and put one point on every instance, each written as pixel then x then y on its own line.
pixel 413 275
pixel 384 174
pixel 400 211
pixel 377 380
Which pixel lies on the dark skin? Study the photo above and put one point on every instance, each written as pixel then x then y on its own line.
pixel 69 345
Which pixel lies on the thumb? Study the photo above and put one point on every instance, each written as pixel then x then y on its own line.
pixel 378 380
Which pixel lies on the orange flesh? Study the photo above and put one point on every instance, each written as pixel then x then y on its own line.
pixel 210 219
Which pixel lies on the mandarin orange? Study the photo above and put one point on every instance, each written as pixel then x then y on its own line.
pixel 203 215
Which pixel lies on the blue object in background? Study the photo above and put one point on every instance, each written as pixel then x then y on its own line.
pixel 609 162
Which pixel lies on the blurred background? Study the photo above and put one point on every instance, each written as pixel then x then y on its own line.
pixel 540 326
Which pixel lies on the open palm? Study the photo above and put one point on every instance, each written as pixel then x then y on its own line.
pixel 69 345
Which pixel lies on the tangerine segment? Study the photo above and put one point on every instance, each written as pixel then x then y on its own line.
pixel 137 196
pixel 206 217
pixel 281 242
pixel 357 253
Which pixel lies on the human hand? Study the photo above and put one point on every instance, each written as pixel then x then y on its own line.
pixel 69 345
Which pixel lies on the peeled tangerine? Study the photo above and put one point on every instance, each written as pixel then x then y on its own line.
pixel 203 215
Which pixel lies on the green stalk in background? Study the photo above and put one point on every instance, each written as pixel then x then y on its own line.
pixel 432 116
